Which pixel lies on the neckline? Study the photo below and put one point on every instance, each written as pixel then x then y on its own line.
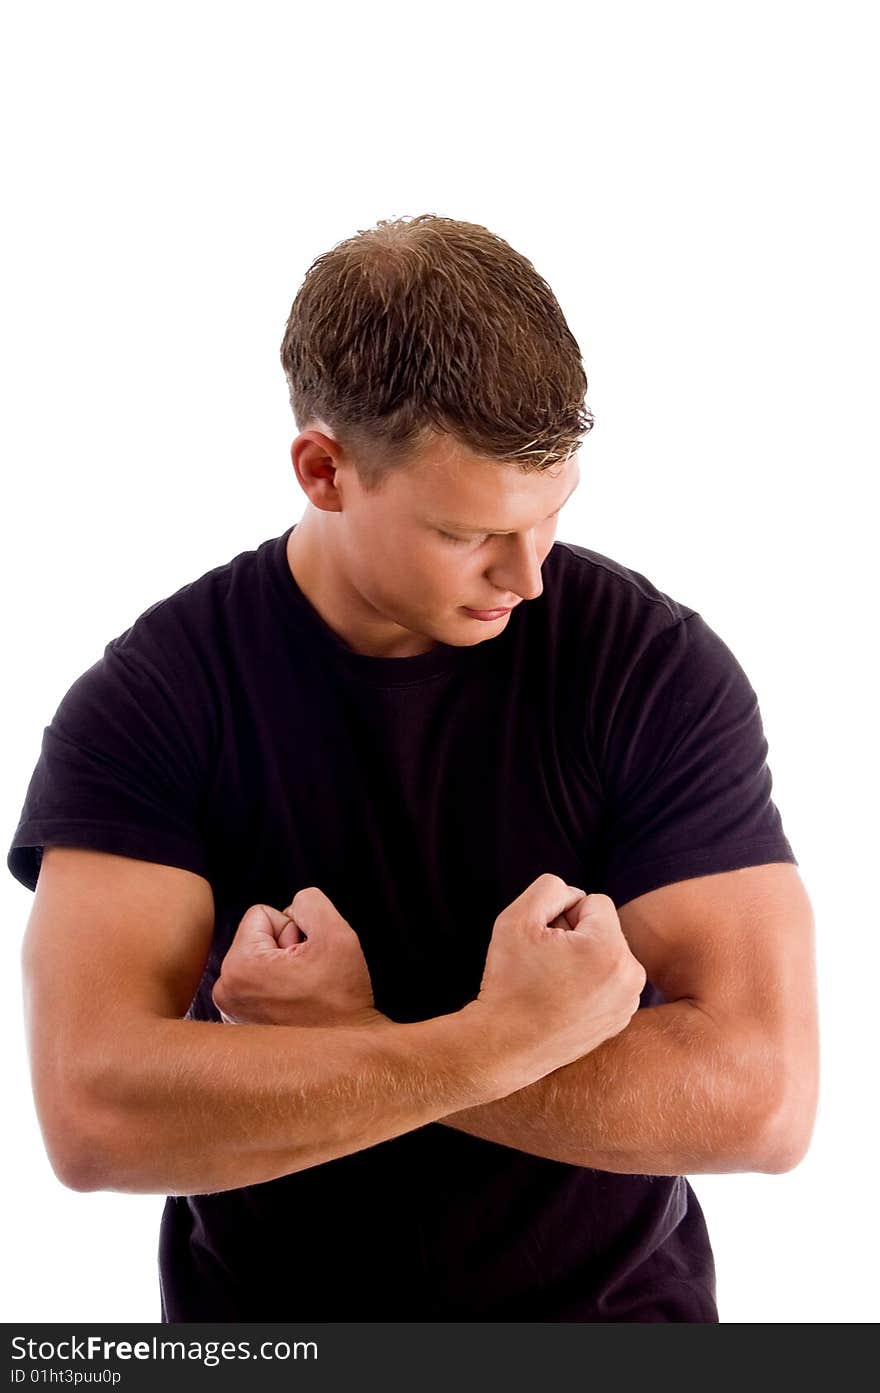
pixel 383 671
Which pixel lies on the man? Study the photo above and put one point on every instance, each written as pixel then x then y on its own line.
pixel 424 1089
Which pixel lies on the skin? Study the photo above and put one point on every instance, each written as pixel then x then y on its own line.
pixel 457 530
pixel 303 970
pixel 304 965
pixel 404 596
pixel 721 1077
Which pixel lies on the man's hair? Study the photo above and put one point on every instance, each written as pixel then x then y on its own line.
pixel 429 324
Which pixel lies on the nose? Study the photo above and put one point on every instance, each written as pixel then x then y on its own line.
pixel 519 570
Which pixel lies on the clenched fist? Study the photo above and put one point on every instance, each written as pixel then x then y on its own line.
pixel 300 966
pixel 559 978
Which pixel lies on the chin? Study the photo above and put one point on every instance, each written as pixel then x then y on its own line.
pixel 469 637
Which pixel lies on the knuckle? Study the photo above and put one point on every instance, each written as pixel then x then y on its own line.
pixel 637 971
pixel 625 972
pixel 635 991
pixel 229 981
pixel 600 903
pixel 309 895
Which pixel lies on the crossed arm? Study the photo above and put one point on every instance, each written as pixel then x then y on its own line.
pixel 669 1095
pixel 722 1077
pixel 725 1075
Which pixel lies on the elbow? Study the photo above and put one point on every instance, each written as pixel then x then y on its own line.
pixel 786 1138
pixel 86 1128
pixel 785 1151
pixel 86 1167
pixel 79 1166
pixel 92 1146
pixel 73 1173
pixel 77 1151
pixel 777 1080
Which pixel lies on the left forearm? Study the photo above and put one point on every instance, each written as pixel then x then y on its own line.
pixel 669 1095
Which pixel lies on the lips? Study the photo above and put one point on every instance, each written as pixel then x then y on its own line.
pixel 487 615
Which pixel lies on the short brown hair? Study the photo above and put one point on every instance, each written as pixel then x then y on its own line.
pixel 428 324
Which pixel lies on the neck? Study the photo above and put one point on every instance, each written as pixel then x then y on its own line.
pixel 321 575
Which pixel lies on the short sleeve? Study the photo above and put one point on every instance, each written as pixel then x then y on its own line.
pixel 688 787
pixel 119 770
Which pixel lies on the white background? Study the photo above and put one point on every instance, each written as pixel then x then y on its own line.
pixel 698 185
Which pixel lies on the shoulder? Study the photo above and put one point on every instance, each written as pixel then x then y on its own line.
pixel 170 667
pixel 606 614
pixel 611 588
pixel 198 609
pixel 632 656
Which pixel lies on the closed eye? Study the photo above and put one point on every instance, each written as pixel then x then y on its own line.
pixel 461 540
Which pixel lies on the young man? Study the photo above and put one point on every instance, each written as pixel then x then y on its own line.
pixel 423 1090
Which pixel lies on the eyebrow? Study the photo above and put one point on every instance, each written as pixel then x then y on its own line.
pixel 459 527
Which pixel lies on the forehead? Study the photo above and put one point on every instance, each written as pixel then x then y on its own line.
pixel 471 493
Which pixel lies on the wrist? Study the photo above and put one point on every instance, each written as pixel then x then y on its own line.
pixel 507 1064
pixel 453 1056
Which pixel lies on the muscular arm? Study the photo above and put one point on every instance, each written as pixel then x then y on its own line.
pixel 725 1076
pixel 667 1096
pixel 131 1097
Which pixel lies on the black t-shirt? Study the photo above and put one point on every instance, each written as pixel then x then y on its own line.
pixel 607 735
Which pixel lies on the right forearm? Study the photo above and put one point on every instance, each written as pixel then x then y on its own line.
pixel 195 1107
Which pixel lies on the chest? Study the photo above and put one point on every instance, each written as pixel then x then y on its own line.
pixel 421 812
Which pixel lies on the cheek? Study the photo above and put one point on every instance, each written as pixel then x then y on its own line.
pixel 447 577
pixel 444 577
pixel 421 578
